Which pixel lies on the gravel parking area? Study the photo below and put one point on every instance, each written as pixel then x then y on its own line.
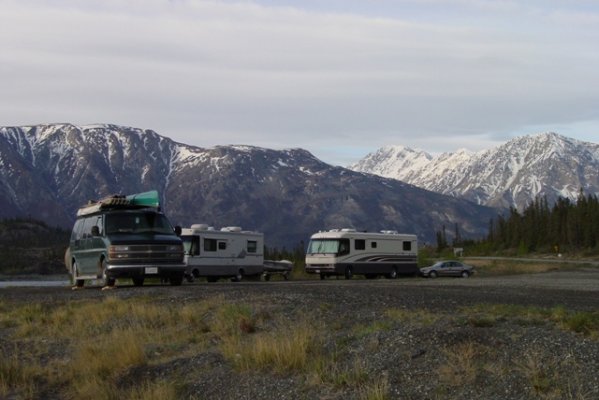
pixel 411 338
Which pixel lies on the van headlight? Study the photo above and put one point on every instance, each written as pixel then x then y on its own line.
pixel 118 252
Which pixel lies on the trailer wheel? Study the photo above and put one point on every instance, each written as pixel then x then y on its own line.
pixel 348 273
pixel 323 277
pixel 266 277
pixel 392 274
pixel 238 277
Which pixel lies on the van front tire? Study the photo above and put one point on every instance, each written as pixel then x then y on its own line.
pixel 74 272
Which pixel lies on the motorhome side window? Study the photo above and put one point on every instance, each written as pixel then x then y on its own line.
pixel 252 246
pixel 222 245
pixel 373 245
pixel 343 247
pixel 209 244
pixel 407 246
pixel 360 244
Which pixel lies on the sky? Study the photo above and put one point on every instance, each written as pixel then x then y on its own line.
pixel 340 78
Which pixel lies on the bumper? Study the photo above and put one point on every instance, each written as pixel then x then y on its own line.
pixel 128 271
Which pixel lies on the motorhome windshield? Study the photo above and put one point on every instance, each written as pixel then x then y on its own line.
pixel 328 246
pixel 142 222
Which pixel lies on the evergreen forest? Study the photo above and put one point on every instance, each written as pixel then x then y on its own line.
pixel 565 227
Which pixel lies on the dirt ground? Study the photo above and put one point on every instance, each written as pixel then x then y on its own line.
pixel 410 338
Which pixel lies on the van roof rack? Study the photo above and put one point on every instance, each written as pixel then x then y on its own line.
pixel 133 201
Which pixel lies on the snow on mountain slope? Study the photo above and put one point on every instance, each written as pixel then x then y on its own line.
pixel 48 171
pixel 512 174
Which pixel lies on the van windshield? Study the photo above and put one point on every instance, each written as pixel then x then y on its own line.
pixel 328 246
pixel 137 223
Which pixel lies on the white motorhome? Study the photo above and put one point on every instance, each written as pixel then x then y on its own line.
pixel 348 252
pixel 226 253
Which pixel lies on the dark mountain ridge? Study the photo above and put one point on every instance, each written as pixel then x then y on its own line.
pixel 48 171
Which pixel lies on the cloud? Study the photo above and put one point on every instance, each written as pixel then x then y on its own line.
pixel 212 72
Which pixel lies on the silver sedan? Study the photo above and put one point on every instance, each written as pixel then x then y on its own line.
pixel 447 268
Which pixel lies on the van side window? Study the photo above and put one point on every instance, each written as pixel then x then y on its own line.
pixel 222 245
pixel 76 234
pixel 209 244
pixel 87 227
pixel 360 244
pixel 373 245
pixel 99 225
pixel 407 246
pixel 252 246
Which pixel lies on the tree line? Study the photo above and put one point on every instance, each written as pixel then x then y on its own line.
pixel 566 226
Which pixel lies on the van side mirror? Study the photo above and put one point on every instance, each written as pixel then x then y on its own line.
pixel 95 231
pixel 178 230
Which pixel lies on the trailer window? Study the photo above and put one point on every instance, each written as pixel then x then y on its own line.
pixel 222 245
pixel 360 244
pixel 407 246
pixel 209 244
pixel 252 246
pixel 373 245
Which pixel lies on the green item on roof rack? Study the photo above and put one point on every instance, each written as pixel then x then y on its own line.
pixel 148 199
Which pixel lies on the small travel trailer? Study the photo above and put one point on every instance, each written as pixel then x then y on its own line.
pixel 226 253
pixel 348 252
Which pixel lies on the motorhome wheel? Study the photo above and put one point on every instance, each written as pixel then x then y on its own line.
pixel 348 273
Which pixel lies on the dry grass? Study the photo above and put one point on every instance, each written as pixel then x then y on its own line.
pixel 94 349
pixel 509 267
pixel 463 363
pixel 581 322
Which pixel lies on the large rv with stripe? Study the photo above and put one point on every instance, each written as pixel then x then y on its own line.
pixel 347 252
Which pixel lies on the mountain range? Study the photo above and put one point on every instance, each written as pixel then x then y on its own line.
pixel 510 175
pixel 48 171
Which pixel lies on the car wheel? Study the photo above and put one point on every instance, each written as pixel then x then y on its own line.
pixel 465 274
pixel 432 274
pixel 286 276
pixel 348 273
pixel 75 272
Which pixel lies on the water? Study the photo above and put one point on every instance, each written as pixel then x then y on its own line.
pixel 53 283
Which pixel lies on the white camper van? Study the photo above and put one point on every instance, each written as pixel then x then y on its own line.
pixel 226 253
pixel 348 252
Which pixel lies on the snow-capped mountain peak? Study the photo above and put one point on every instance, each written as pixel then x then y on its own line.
pixel 513 174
